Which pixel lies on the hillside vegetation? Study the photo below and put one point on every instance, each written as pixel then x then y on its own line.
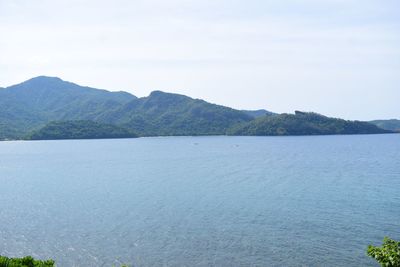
pixel 303 123
pixel 38 101
pixel 172 114
pixel 80 130
pixel 51 104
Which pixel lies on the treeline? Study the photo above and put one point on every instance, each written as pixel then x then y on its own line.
pixel 68 111
pixel 79 130
pixel 303 123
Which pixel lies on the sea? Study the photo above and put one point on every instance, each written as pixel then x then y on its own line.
pixel 200 201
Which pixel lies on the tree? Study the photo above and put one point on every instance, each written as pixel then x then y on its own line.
pixel 388 255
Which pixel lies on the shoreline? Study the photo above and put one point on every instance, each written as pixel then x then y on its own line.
pixel 221 135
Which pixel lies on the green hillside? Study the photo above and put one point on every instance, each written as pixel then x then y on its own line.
pixel 79 130
pixel 38 101
pixel 31 105
pixel 303 123
pixel 172 114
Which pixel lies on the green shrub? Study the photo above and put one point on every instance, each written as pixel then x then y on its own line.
pixel 27 261
pixel 388 255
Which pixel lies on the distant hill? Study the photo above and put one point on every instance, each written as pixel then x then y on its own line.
pixel 33 104
pixel 79 130
pixel 393 124
pixel 38 101
pixel 258 113
pixel 303 123
pixel 172 114
pixel 43 99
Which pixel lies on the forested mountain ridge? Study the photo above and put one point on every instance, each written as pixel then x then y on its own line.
pixel 172 114
pixel 31 105
pixel 303 123
pixel 37 101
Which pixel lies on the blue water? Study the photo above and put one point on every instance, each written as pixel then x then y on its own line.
pixel 200 201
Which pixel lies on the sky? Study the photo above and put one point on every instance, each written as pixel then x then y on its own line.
pixel 340 58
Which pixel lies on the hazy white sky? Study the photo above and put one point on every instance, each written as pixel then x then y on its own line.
pixel 336 57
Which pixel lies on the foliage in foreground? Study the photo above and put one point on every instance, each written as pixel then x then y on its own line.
pixel 388 255
pixel 27 261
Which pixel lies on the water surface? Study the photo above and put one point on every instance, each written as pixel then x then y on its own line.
pixel 200 201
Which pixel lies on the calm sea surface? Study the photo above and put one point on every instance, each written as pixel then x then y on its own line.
pixel 200 201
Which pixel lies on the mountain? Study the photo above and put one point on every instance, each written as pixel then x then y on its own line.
pixel 32 104
pixel 172 114
pixel 43 99
pixel 258 113
pixel 393 124
pixel 79 130
pixel 48 105
pixel 303 123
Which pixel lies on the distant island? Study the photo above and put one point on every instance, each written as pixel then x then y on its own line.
pixel 50 108
pixel 303 123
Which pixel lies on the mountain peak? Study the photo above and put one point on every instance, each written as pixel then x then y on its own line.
pixel 44 81
pixel 162 93
pixel 158 93
pixel 43 78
